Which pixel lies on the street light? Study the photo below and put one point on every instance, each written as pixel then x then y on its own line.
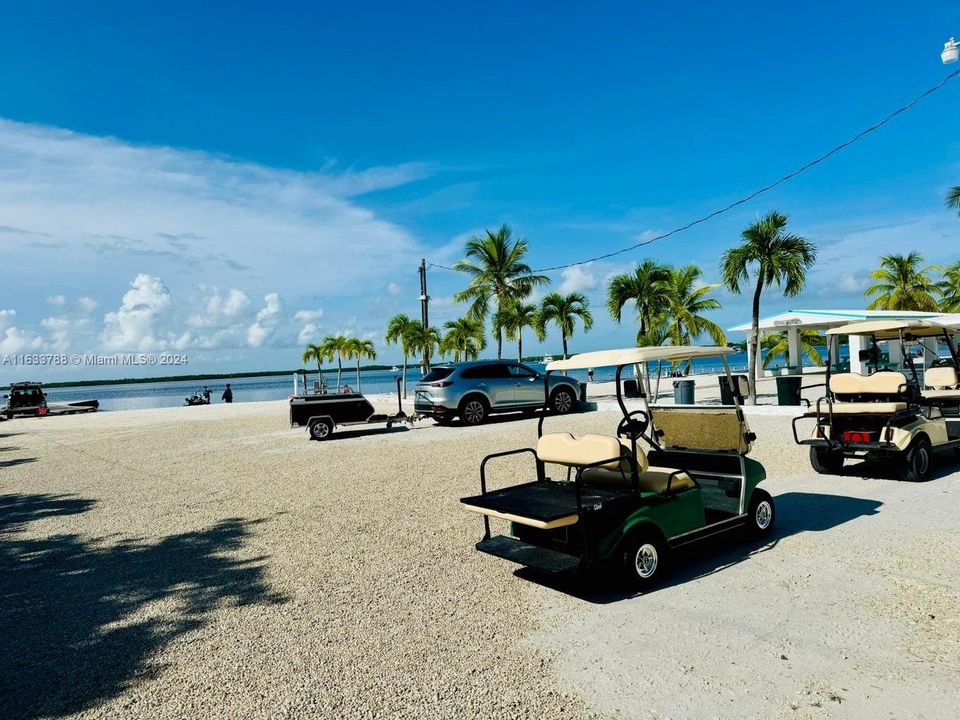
pixel 951 50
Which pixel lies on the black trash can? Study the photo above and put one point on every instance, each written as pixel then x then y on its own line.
pixel 726 395
pixel 631 389
pixel 683 392
pixel 788 389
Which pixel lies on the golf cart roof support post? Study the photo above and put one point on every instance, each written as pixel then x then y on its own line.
pixel 546 402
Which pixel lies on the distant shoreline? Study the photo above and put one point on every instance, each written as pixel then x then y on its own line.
pixel 205 376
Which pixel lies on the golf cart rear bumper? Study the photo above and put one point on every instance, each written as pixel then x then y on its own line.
pixel 845 447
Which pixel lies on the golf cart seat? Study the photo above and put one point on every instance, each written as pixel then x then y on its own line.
pixel 941 383
pixel 565 449
pixel 883 393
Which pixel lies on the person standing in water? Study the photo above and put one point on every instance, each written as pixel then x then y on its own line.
pixel 227 396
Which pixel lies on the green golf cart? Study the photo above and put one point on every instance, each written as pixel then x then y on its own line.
pixel 671 475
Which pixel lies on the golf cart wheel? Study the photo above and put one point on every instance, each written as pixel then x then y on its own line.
pixel 473 410
pixel 644 559
pixel 826 461
pixel 561 401
pixel 761 513
pixel 321 430
pixel 916 466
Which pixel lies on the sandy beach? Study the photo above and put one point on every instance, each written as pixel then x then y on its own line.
pixel 212 562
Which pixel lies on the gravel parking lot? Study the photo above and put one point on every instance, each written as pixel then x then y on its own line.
pixel 211 562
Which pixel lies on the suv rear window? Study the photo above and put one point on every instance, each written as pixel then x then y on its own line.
pixel 436 374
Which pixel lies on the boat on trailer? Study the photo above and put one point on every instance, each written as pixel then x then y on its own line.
pixel 321 411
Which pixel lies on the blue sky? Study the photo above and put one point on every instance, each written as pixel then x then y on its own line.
pixel 230 179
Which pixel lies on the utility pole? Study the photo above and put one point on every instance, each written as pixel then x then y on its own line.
pixel 424 310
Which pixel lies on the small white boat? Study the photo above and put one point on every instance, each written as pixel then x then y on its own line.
pixel 394 369
pixel 547 359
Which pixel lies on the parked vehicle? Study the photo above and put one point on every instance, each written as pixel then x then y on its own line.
pixel 28 398
pixel 888 415
pixel 321 412
pixel 617 503
pixel 200 397
pixel 475 390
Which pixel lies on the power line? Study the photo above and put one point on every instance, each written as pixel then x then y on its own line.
pixel 755 193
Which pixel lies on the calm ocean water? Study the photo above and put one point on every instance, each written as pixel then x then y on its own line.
pixel 136 396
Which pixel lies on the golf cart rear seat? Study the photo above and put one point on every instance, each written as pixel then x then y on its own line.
pixel 941 383
pixel 565 449
pixel 883 393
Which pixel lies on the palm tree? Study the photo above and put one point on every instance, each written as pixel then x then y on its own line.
pixel 953 198
pixel 902 284
pixel 514 318
pixel 497 273
pixel 359 349
pixel 316 353
pixel 563 310
pixel 335 346
pixel 464 339
pixel 685 304
pixel 778 345
pixel 423 340
pixel 397 332
pixel 773 256
pixel 950 289
pixel 645 288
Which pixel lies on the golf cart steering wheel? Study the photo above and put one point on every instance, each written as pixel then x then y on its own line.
pixel 634 425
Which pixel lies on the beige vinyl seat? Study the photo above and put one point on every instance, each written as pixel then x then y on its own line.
pixel 565 449
pixel 941 383
pixel 877 394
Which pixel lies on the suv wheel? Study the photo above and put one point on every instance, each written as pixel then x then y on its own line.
pixel 561 401
pixel 473 410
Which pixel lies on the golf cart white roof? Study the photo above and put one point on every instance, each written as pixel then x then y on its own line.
pixel 886 329
pixel 636 355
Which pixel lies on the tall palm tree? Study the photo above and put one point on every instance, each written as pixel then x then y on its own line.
pixel 953 198
pixel 563 310
pixel 645 289
pixel 778 345
pixel 315 353
pixel 464 339
pixel 903 284
pixel 497 274
pixel 359 349
pixel 686 303
pixel 772 255
pixel 423 340
pixel 335 346
pixel 950 289
pixel 397 332
pixel 514 318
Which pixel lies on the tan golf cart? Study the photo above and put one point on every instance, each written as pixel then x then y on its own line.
pixel 903 416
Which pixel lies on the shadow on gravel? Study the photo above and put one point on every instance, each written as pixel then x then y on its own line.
pixel 941 465
pixel 797 512
pixel 74 618
pixel 16 461
pixel 366 432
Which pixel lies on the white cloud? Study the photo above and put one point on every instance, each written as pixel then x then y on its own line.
pixel 87 304
pixel 267 319
pixel 394 288
pixel 220 308
pixel 309 325
pixel 133 327
pixel 15 340
pixel 578 279
pixel 308 315
pixel 57 300
pixel 59 329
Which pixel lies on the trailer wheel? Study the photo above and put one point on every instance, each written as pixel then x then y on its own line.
pixel 916 466
pixel 473 410
pixel 645 558
pixel 761 514
pixel 321 430
pixel 826 461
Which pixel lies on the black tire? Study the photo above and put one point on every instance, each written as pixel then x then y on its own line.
pixel 761 514
pixel 473 410
pixel 916 465
pixel 562 400
pixel 826 461
pixel 645 558
pixel 445 421
pixel 321 430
